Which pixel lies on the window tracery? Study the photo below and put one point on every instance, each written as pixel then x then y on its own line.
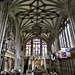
pixel 36 48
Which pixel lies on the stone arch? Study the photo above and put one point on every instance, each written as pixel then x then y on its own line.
pixel 36 37
pixel 62 14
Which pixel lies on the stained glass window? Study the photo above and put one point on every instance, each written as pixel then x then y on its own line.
pixel 44 48
pixel 28 48
pixel 67 37
pixel 36 48
pixel 70 38
pixel 65 34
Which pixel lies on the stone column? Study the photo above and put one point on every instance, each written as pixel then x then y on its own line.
pixel 57 48
pixel 25 50
pixel 9 64
pixel 40 47
pixel 3 23
pixel 12 64
pixel 3 64
pixel 33 64
pixel 30 62
pixel 50 53
pixel 49 48
pixel 45 63
pixel 57 44
pixel 32 47
pixel 18 59
pixel 22 65
pixel 42 62
pixel 5 67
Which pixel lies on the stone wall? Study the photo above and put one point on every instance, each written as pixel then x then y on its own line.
pixel 65 66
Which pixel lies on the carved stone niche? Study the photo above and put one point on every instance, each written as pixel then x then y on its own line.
pixel 3 52
pixel 22 48
pixel 5 42
pixel 9 35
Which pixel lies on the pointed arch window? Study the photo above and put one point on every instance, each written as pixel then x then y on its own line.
pixel 66 34
pixel 37 44
pixel 44 48
pixel 36 47
pixel 28 48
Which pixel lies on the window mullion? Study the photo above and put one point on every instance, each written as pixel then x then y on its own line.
pixel 65 39
pixel 60 39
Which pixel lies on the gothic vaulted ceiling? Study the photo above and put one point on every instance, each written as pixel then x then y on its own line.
pixel 42 13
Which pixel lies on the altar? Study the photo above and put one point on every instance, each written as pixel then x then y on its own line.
pixel 37 63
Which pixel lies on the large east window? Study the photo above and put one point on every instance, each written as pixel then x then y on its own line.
pixel 36 48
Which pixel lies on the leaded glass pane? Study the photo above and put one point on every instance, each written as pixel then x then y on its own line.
pixel 36 47
pixel 70 38
pixel 44 48
pixel 28 48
